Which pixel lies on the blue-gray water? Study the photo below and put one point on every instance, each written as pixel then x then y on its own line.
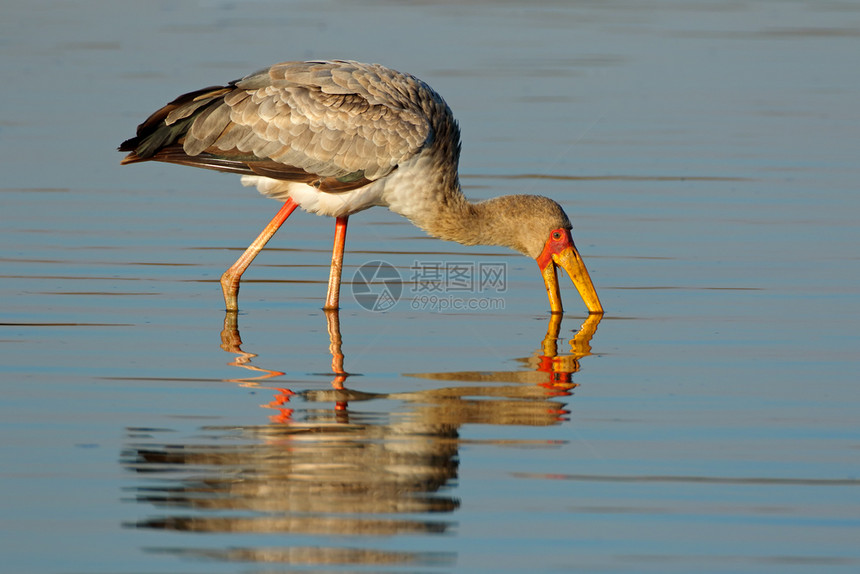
pixel 708 155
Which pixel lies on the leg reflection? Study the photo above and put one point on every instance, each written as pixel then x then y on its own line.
pixel 231 342
pixel 547 375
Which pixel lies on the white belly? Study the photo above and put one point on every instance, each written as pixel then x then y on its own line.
pixel 404 191
pixel 313 200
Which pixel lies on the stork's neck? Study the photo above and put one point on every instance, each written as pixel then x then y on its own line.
pixel 455 218
pixel 444 212
pixel 426 190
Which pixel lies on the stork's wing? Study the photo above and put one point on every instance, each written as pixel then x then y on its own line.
pixel 337 125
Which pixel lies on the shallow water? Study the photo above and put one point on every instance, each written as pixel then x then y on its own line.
pixel 707 154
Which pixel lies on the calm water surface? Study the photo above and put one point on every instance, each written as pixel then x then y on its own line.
pixel 708 155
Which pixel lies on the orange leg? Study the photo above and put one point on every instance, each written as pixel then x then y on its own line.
pixel 230 279
pixel 332 299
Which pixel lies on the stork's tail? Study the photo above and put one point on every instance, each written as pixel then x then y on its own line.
pixel 168 125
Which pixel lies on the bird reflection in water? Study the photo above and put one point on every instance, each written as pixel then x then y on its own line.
pixel 339 471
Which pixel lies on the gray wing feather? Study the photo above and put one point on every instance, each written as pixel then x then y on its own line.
pixel 331 119
pixel 207 128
